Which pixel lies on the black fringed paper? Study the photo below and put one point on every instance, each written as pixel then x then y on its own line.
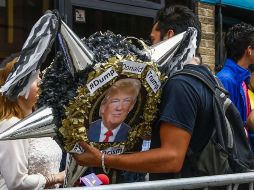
pixel 59 85
pixel 108 44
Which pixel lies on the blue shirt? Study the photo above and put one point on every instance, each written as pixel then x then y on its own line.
pixel 232 76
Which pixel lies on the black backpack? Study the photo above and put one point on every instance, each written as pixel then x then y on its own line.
pixel 228 150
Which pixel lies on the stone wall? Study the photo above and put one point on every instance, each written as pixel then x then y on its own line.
pixel 206 14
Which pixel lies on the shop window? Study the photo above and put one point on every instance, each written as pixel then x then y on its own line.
pixel 93 20
pixel 230 16
pixel 16 20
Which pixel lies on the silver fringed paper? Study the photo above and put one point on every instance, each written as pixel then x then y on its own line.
pixel 36 125
pixel 39 42
pixel 164 51
pixel 73 171
pixel 80 54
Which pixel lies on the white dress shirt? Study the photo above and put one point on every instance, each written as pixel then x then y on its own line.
pixel 104 130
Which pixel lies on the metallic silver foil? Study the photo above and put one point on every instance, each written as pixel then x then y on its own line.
pixel 36 125
pixel 164 51
pixel 80 54
pixel 73 170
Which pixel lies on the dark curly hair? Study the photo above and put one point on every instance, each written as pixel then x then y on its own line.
pixel 177 18
pixel 237 40
pixel 251 68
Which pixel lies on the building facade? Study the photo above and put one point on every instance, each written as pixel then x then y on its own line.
pixel 216 16
pixel 126 17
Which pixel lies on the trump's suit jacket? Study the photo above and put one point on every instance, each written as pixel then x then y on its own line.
pixel 95 131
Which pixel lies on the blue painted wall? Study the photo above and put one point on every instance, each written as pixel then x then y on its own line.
pixel 245 4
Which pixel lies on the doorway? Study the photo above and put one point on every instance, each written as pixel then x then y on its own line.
pixel 125 17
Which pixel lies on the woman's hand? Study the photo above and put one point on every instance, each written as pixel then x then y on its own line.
pixel 54 179
pixel 60 177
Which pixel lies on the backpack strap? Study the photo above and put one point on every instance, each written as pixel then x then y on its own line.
pixel 228 134
pixel 212 82
pixel 220 97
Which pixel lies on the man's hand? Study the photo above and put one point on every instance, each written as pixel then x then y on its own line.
pixel 168 158
pixel 91 156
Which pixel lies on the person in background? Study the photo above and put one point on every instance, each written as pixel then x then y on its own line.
pixel 235 76
pixel 26 164
pixel 250 120
pixel 185 114
pixel 251 86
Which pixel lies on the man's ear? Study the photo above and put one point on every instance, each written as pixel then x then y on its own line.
pixel 249 50
pixel 170 34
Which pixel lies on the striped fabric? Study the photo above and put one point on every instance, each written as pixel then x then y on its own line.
pixel 34 52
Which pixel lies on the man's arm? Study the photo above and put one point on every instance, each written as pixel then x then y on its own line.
pixel 168 158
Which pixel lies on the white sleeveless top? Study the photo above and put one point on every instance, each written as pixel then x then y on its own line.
pixel 25 162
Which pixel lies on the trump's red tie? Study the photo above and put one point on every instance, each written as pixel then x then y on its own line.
pixel 108 134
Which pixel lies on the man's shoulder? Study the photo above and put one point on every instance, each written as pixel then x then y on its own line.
pixel 190 80
pixel 95 123
pixel 185 87
pixel 225 73
pixel 227 78
pixel 125 126
pixel 228 71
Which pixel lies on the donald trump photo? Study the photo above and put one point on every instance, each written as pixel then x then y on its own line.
pixel 119 100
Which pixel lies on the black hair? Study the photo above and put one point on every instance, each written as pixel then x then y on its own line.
pixel 251 68
pixel 177 18
pixel 237 40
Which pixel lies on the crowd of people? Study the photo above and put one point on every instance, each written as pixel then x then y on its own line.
pixel 185 118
